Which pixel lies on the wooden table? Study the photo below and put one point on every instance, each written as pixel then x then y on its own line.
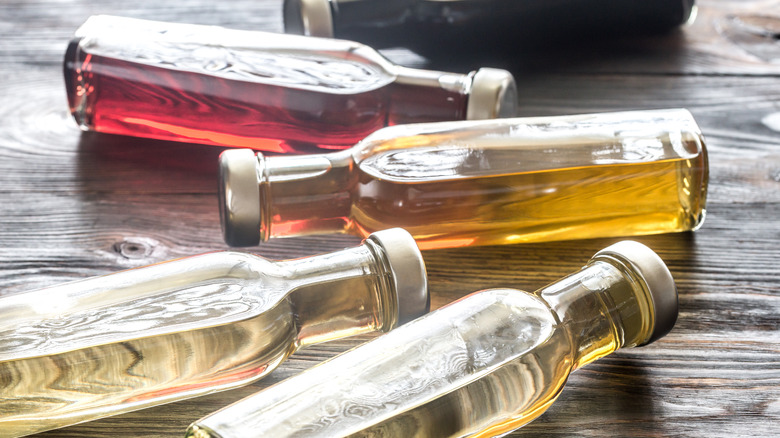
pixel 74 205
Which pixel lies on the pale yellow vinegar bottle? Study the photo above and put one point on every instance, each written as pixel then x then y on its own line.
pixel 481 182
pixel 121 342
pixel 481 366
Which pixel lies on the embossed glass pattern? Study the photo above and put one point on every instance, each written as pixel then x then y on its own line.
pixel 496 181
pixel 481 366
pixel 165 332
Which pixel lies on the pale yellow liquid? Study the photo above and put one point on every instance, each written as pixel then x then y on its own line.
pixel 39 393
pixel 522 388
pixel 47 392
pixel 480 367
pixel 563 203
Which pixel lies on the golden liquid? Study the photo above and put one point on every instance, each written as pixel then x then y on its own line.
pixel 499 181
pixel 550 204
pixel 39 393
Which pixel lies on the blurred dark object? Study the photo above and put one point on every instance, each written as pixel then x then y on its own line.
pixel 440 27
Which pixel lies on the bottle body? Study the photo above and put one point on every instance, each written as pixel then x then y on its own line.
pixel 482 366
pixel 271 92
pixel 153 335
pixel 498 182
pixel 500 24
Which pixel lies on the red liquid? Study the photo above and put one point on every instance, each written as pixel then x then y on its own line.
pixel 128 98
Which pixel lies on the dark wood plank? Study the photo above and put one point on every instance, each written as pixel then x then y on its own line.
pixel 74 205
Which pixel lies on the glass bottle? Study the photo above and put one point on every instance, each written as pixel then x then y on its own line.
pixel 266 91
pixel 481 366
pixel 147 336
pixel 480 182
pixel 465 24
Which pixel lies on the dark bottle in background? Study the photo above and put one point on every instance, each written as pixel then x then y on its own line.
pixel 450 26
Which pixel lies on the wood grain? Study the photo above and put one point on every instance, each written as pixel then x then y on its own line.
pixel 74 205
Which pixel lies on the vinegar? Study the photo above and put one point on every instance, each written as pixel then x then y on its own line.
pixel 270 92
pixel 481 182
pixel 481 366
pixel 518 387
pixel 56 390
pixel 548 204
pixel 143 337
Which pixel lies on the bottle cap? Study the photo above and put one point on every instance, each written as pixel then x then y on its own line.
pixel 408 271
pixel 239 197
pixel 493 95
pixel 657 278
pixel 308 17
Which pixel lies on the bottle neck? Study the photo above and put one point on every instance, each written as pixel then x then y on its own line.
pixel 419 96
pixel 341 294
pixel 603 307
pixel 305 195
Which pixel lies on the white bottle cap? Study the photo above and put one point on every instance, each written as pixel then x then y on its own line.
pixel 239 197
pixel 657 278
pixel 408 270
pixel 308 17
pixel 493 95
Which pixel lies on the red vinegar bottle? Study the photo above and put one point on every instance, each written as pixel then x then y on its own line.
pixel 266 91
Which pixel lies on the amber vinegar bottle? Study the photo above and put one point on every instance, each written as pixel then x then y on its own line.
pixel 147 336
pixel 481 183
pixel 266 91
pixel 481 366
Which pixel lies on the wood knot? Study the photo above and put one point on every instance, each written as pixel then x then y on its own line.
pixel 135 248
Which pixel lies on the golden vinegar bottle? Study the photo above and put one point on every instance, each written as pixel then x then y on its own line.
pixel 188 327
pixel 481 366
pixel 481 182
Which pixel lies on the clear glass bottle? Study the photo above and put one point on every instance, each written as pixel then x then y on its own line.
pixel 481 182
pixel 481 366
pixel 143 337
pixel 424 25
pixel 266 91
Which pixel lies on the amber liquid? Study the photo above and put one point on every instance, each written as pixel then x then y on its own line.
pixel 446 206
pixel 215 105
pixel 39 393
